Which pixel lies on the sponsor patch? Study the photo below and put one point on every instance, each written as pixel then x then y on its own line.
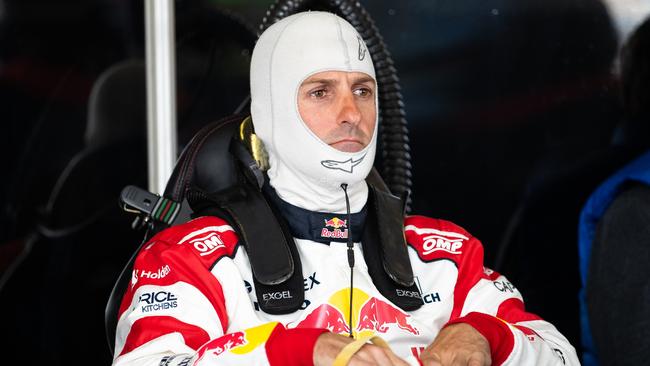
pixel 208 244
pixel 370 315
pixel 157 300
pixel 161 272
pixel 346 166
pixel 335 228
pixel 207 240
pixel 504 286
pixel 435 243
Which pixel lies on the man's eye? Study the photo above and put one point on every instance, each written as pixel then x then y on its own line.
pixel 363 92
pixel 320 93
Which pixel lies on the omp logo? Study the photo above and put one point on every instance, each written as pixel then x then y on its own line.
pixel 206 240
pixel 434 243
pixel 438 240
pixel 208 244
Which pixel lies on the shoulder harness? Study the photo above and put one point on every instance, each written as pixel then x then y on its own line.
pixel 221 173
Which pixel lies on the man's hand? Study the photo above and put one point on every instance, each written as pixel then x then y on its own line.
pixel 458 344
pixel 329 345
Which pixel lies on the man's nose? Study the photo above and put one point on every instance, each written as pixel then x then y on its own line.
pixel 349 111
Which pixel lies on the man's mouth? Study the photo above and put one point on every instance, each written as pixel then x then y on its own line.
pixel 348 145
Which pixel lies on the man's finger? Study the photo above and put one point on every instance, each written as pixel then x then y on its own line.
pixel 475 361
pixel 376 354
pixel 430 362
pixel 431 359
pixel 397 361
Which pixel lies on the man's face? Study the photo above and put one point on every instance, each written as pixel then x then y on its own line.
pixel 339 107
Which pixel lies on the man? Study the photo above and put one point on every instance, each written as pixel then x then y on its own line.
pixel 314 105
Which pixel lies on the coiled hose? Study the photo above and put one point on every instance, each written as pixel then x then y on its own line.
pixel 393 129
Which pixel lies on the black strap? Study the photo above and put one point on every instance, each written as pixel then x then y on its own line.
pixel 385 250
pixel 272 253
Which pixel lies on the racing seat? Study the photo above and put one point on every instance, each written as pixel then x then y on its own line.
pixel 206 166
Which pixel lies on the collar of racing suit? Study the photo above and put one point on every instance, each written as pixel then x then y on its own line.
pixel 321 227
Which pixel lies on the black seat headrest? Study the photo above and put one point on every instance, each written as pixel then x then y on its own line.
pixel 206 163
pixel 117 106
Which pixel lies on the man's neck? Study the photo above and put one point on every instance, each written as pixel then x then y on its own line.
pixel 315 195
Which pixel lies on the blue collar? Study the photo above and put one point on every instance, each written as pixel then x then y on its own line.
pixel 322 227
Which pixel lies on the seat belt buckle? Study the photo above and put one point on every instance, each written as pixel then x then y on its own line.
pixel 148 206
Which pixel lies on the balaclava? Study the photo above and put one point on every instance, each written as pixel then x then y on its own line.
pixel 304 170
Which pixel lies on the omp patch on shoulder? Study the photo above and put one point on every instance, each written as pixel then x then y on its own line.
pixel 435 239
pixel 209 237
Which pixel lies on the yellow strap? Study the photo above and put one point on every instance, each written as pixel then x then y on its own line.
pixel 348 351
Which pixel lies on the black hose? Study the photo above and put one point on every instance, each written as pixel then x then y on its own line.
pixel 393 129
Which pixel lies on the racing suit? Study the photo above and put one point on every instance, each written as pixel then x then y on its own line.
pixel 190 301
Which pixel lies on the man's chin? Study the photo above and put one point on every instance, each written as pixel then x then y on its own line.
pixel 348 146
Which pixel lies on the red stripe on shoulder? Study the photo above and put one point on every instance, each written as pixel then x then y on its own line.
pixel 435 239
pixel 150 328
pixel 513 311
pixel 185 253
pixel 209 237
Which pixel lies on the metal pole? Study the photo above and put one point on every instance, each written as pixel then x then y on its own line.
pixel 161 91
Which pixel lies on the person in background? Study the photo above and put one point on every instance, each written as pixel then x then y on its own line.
pixel 614 232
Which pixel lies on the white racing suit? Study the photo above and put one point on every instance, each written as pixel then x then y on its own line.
pixel 190 302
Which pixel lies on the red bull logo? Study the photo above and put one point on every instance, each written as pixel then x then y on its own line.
pixel 238 343
pixel 220 345
pixel 328 317
pixel 336 224
pixel 378 315
pixel 370 315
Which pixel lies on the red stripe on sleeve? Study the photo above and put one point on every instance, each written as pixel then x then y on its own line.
pixel 470 271
pixel 184 266
pixel 292 347
pixel 150 328
pixel 466 252
pixel 497 333
pixel 512 311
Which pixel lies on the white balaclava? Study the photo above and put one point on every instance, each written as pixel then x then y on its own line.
pixel 304 170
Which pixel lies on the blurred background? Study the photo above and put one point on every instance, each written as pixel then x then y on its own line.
pixel 513 109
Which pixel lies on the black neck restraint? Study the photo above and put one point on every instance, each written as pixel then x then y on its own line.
pixel 267 226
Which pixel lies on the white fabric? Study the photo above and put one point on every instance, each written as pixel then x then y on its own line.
pixel 445 280
pixel 285 55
